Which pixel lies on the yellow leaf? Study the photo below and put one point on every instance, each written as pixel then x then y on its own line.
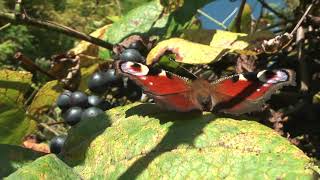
pixel 185 51
pixel 45 98
pixel 207 46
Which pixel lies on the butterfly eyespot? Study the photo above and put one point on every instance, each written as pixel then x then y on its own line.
pixel 265 75
pixel 251 76
pixel 154 71
pixel 235 78
pixel 136 69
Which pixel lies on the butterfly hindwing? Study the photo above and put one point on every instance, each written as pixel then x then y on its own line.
pixel 247 92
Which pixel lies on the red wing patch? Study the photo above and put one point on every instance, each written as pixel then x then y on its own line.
pixel 169 91
pixel 247 92
pixel 155 81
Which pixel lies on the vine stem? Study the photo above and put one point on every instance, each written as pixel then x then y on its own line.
pixel 23 18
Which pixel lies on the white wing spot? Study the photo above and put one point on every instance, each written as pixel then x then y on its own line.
pixel 163 73
pixel 242 78
pixel 151 83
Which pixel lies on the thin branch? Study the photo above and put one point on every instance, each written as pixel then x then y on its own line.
pixel 5 26
pixel 26 20
pixel 55 123
pixel 301 19
pixel 230 15
pixel 266 5
pixel 304 75
pixel 239 16
pixel 49 129
pixel 211 19
pixel 31 65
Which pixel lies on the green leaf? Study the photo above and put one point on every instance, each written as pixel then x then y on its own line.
pixel 45 98
pixel 14 157
pixel 292 4
pixel 13 125
pixel 46 167
pixel 139 20
pixel 146 143
pixel 149 19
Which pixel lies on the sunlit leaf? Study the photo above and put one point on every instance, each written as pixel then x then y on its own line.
pixel 14 157
pixel 145 142
pixel 44 99
pixel 13 125
pixel 46 167
pixel 199 51
pixel 185 51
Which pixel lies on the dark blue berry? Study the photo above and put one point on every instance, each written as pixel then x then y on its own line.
pixel 64 100
pixel 96 101
pixel 138 45
pixel 131 55
pixel 56 144
pixel 72 116
pixel 91 112
pixel 98 82
pixel 113 79
pixel 79 99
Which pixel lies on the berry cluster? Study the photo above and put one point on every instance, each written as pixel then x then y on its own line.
pixel 77 106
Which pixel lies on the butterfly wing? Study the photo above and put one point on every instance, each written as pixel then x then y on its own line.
pixel 168 90
pixel 247 92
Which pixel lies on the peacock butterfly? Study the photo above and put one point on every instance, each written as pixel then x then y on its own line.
pixel 237 94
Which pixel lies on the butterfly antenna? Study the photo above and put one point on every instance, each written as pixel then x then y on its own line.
pixel 301 19
pixel 186 70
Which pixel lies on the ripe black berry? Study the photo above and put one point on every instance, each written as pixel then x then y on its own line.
pixel 72 116
pixel 98 83
pixel 138 45
pixel 113 79
pixel 96 101
pixel 91 112
pixel 133 92
pixel 131 55
pixel 79 99
pixel 56 144
pixel 64 100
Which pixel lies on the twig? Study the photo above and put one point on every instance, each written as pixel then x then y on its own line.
pixel 5 26
pixel 239 16
pixel 230 15
pixel 30 98
pixel 211 19
pixel 49 129
pixel 301 19
pixel 266 5
pixel 31 65
pixel 302 64
pixel 55 123
pixel 26 20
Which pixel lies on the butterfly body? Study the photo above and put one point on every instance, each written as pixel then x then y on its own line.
pixel 236 94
